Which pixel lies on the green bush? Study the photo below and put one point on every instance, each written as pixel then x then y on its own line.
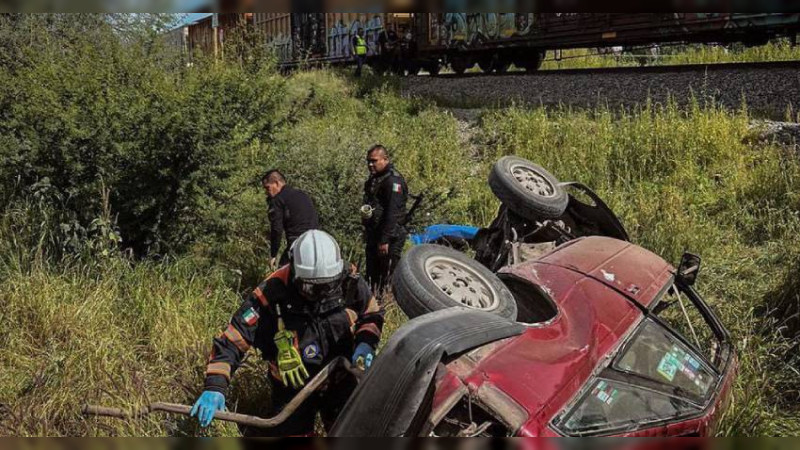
pixel 166 141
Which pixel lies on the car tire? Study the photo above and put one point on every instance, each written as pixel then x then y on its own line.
pixel 432 277
pixel 527 189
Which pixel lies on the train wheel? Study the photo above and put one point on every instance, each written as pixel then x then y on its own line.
pixel 459 65
pixel 433 68
pixel 413 69
pixel 502 66
pixel 486 65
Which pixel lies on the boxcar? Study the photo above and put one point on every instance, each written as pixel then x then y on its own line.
pixel 494 41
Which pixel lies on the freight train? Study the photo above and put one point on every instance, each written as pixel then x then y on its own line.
pixel 410 42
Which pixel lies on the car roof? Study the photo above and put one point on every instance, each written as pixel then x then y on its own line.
pixel 547 365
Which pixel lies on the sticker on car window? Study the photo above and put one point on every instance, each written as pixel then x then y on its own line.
pixel 668 367
pixel 605 393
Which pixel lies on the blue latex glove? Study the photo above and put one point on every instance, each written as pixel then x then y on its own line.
pixel 363 355
pixel 205 407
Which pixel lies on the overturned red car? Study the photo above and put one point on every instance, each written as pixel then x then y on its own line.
pixel 558 327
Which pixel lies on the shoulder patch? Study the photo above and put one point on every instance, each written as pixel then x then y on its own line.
pixel 250 317
pixel 397 187
pixel 310 352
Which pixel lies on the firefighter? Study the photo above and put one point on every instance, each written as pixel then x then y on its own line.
pixel 359 50
pixel 383 216
pixel 301 317
pixel 290 211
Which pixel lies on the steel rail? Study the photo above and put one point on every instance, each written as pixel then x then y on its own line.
pixel 673 68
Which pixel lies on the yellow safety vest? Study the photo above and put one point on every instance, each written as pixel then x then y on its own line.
pixel 361 46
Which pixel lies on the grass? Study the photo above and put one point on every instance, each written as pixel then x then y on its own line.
pixel 777 50
pixel 110 330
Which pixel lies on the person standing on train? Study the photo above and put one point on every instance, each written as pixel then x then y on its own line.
pixel 359 50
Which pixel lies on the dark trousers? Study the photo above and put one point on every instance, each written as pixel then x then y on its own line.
pixel 360 59
pixel 284 259
pixel 380 267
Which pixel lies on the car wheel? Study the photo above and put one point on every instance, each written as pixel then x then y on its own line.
pixel 431 277
pixel 527 189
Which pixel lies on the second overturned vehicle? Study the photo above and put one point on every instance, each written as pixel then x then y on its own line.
pixel 558 327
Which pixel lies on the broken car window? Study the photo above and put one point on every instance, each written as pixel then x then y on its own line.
pixel 658 355
pixel 677 310
pixel 612 406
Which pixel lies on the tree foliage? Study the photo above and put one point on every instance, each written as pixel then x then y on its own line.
pixel 93 102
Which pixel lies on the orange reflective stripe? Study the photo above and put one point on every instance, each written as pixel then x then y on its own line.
pixel 369 328
pixel 372 306
pixel 260 296
pixel 234 336
pixel 273 370
pixel 352 315
pixel 223 369
pixel 281 274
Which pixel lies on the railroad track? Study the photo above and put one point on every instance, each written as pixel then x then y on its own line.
pixel 769 88
pixel 639 69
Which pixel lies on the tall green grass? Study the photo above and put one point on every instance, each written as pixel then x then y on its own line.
pixel 115 331
pixel 688 180
pixel 582 58
pixel 85 320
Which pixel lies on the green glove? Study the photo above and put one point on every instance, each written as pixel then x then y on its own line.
pixel 290 365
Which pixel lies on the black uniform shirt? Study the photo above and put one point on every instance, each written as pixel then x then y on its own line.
pixel 291 211
pixel 387 192
pixel 322 330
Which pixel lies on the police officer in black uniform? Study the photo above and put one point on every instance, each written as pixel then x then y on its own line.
pixel 383 216
pixel 291 211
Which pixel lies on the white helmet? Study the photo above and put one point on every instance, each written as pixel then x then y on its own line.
pixel 316 258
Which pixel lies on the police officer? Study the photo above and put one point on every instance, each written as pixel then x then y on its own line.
pixel 291 211
pixel 359 50
pixel 388 42
pixel 383 216
pixel 301 317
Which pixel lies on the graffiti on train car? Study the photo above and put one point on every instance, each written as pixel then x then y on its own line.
pixel 473 29
pixel 340 35
pixel 282 46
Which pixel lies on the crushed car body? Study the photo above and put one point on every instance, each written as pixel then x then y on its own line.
pixel 591 335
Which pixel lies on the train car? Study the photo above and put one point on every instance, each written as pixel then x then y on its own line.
pixel 325 37
pixel 492 41
pixel 495 40
pixel 208 34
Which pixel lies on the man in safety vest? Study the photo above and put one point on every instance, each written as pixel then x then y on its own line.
pixel 359 50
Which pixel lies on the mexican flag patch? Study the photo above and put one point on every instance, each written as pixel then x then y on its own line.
pixel 250 317
pixel 397 188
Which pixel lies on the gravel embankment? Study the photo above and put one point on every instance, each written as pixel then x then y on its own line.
pixel 768 90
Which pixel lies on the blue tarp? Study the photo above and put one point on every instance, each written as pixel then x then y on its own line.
pixel 434 232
